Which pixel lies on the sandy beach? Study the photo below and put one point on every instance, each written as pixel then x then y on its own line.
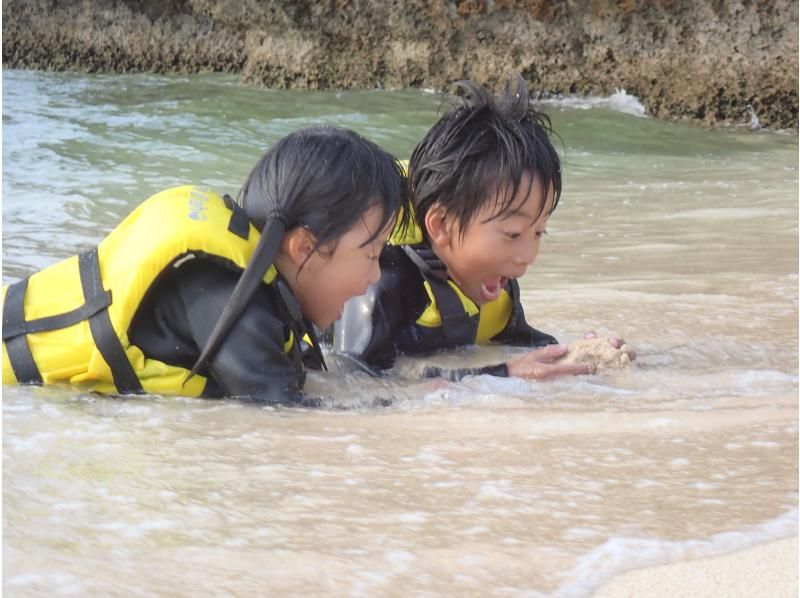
pixel 769 569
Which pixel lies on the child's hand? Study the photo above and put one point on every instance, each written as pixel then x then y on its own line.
pixel 617 343
pixel 538 364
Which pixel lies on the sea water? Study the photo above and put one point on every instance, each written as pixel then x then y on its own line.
pixel 682 240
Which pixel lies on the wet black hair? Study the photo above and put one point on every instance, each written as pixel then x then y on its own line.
pixel 321 178
pixel 482 146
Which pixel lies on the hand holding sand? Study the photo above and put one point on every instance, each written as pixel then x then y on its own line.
pixel 587 356
pixel 599 353
pixel 543 364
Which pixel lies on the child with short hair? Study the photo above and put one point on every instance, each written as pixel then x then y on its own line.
pixel 484 181
pixel 194 294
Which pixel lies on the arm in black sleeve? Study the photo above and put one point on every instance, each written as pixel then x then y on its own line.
pixel 456 374
pixel 250 362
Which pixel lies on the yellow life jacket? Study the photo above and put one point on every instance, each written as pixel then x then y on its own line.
pixel 450 310
pixel 69 322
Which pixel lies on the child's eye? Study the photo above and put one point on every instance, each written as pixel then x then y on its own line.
pixel 512 235
pixel 540 234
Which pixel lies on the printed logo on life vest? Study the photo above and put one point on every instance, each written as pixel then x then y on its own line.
pixel 197 206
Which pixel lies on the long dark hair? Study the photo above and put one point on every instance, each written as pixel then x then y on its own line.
pixel 321 178
pixel 481 146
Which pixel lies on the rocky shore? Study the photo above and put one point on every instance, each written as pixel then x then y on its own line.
pixel 711 61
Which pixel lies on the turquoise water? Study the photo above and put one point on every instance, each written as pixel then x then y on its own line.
pixel 680 239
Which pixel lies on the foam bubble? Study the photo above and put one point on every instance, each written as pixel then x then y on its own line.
pixel 619 101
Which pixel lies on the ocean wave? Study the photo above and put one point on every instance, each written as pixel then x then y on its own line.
pixel 619 101
pixel 622 554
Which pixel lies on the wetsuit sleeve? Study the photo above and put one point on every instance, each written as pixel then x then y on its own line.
pixel 250 363
pixel 456 374
pixel 518 332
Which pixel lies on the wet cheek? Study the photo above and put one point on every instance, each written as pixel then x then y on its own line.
pixel 376 273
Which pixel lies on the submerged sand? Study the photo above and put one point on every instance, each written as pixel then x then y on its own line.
pixel 765 570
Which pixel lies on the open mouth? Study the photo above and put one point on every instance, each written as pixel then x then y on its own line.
pixel 492 287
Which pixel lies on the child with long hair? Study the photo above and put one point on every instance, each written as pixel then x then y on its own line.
pixel 197 294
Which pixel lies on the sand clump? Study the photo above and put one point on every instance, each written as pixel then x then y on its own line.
pixel 599 352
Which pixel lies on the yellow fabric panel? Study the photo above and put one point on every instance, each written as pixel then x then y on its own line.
pixel 156 377
pixel 202 215
pixel 63 353
pixel 493 315
pixel 52 291
pixel 413 234
pixel 8 373
pixel 287 346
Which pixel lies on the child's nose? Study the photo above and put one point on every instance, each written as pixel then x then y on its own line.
pixel 527 255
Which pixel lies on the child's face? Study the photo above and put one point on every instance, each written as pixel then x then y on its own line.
pixel 328 279
pixel 491 251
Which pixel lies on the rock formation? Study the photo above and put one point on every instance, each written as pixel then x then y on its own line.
pixel 706 60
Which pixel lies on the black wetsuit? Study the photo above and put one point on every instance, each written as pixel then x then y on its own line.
pixel 176 318
pixel 377 327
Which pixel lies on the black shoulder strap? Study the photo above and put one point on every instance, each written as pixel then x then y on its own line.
pixel 457 325
pixel 298 324
pixel 103 333
pixel 239 224
pixel 19 352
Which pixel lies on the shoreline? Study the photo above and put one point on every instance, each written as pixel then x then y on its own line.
pixel 767 569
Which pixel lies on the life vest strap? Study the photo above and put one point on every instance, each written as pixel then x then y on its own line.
pixel 457 325
pixel 19 352
pixel 239 224
pixel 103 333
pixel 298 324
pixel 58 321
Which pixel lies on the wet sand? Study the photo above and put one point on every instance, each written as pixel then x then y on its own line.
pixel 769 569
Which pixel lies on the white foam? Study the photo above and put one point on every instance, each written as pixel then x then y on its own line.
pixel 619 101
pixel 413 517
pixel 17 408
pixel 355 449
pixel 755 124
pixel 579 533
pixel 66 583
pixel 646 483
pixel 343 438
pixel 496 490
pixel 703 486
pixel 619 554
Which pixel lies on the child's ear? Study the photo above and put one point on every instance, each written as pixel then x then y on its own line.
pixel 439 225
pixel 298 244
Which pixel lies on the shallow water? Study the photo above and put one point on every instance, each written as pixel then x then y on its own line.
pixel 681 240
